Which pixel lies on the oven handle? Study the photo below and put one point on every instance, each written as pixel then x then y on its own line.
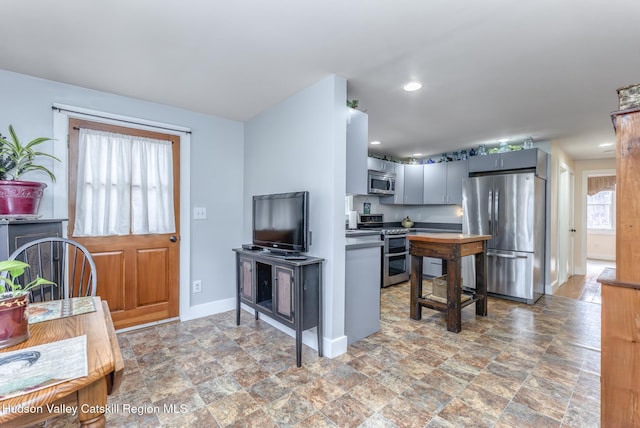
pixel 404 253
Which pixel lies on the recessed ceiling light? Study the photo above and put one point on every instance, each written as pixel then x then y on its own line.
pixel 374 143
pixel 606 144
pixel 412 86
pixel 415 155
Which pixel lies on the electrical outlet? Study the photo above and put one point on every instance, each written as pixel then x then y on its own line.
pixel 197 286
pixel 199 213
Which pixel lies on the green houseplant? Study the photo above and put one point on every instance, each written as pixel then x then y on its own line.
pixel 19 197
pixel 14 301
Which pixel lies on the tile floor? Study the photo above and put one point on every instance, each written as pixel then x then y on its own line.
pixel 521 366
pixel 586 287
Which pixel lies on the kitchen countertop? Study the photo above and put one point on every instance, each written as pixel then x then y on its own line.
pixel 447 238
pixel 431 230
pixel 362 232
pixel 357 239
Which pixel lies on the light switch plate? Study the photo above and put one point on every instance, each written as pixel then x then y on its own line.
pixel 199 213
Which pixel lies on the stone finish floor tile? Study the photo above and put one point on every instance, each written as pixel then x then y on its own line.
pixel 522 365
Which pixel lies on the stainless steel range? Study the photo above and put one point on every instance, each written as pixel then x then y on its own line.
pixel 395 254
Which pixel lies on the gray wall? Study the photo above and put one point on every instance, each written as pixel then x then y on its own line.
pixel 215 173
pixel 300 144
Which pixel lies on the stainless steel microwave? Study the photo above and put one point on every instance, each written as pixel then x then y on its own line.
pixel 382 183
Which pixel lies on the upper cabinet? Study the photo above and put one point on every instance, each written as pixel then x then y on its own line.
pixel 443 183
pixel 435 183
pixel 429 184
pixel 520 159
pixel 376 164
pixel 357 146
pixel 413 184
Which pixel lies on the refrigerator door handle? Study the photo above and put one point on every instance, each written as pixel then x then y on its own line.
pixel 496 210
pixel 489 209
pixel 505 256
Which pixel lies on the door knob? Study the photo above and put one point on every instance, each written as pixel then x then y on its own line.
pixel 173 238
pixel 572 230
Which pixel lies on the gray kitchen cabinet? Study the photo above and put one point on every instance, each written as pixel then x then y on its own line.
pixel 456 172
pixel 376 164
pixel 435 184
pixel 520 159
pixel 443 182
pixel 413 184
pixel 363 263
pixel 14 233
pixel 398 197
pixel 431 267
pixel 357 160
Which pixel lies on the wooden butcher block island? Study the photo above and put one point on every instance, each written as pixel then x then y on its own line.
pixel 450 247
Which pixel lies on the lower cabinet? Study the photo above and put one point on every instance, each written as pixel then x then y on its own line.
pixel 289 291
pixel 431 267
pixel 14 233
pixel 362 292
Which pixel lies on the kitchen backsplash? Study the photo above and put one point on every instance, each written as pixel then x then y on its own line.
pixel 417 213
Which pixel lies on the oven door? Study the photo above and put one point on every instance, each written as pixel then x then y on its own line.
pixel 395 244
pixel 395 268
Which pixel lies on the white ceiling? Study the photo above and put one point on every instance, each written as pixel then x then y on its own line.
pixel 492 69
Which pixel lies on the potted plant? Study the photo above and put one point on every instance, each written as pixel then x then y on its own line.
pixel 14 302
pixel 19 197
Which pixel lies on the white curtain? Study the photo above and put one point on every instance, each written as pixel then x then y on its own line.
pixel 125 185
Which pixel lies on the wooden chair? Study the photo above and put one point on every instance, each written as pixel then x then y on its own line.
pixel 60 260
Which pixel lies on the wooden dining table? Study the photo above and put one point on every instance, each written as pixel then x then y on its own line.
pixel 87 395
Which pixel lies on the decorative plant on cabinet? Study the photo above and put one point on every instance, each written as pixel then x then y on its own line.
pixel 19 198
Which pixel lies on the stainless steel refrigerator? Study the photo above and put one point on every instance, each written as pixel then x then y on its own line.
pixel 510 208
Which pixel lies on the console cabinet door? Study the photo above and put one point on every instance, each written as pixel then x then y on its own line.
pixel 284 306
pixel 246 279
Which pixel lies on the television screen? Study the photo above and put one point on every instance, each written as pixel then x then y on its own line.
pixel 280 221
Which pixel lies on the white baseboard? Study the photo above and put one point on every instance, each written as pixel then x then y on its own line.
pixel 206 309
pixel 149 324
pixel 336 347
pixel 551 288
pixel 330 348
pixel 604 256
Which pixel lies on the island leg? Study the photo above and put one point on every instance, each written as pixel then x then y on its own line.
pixel 481 283
pixel 454 315
pixel 415 309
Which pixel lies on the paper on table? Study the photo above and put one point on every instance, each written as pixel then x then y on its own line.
pixel 41 366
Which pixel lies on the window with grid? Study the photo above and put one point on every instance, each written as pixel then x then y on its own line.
pixel 601 210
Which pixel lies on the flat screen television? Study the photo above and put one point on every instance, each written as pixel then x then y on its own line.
pixel 281 222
